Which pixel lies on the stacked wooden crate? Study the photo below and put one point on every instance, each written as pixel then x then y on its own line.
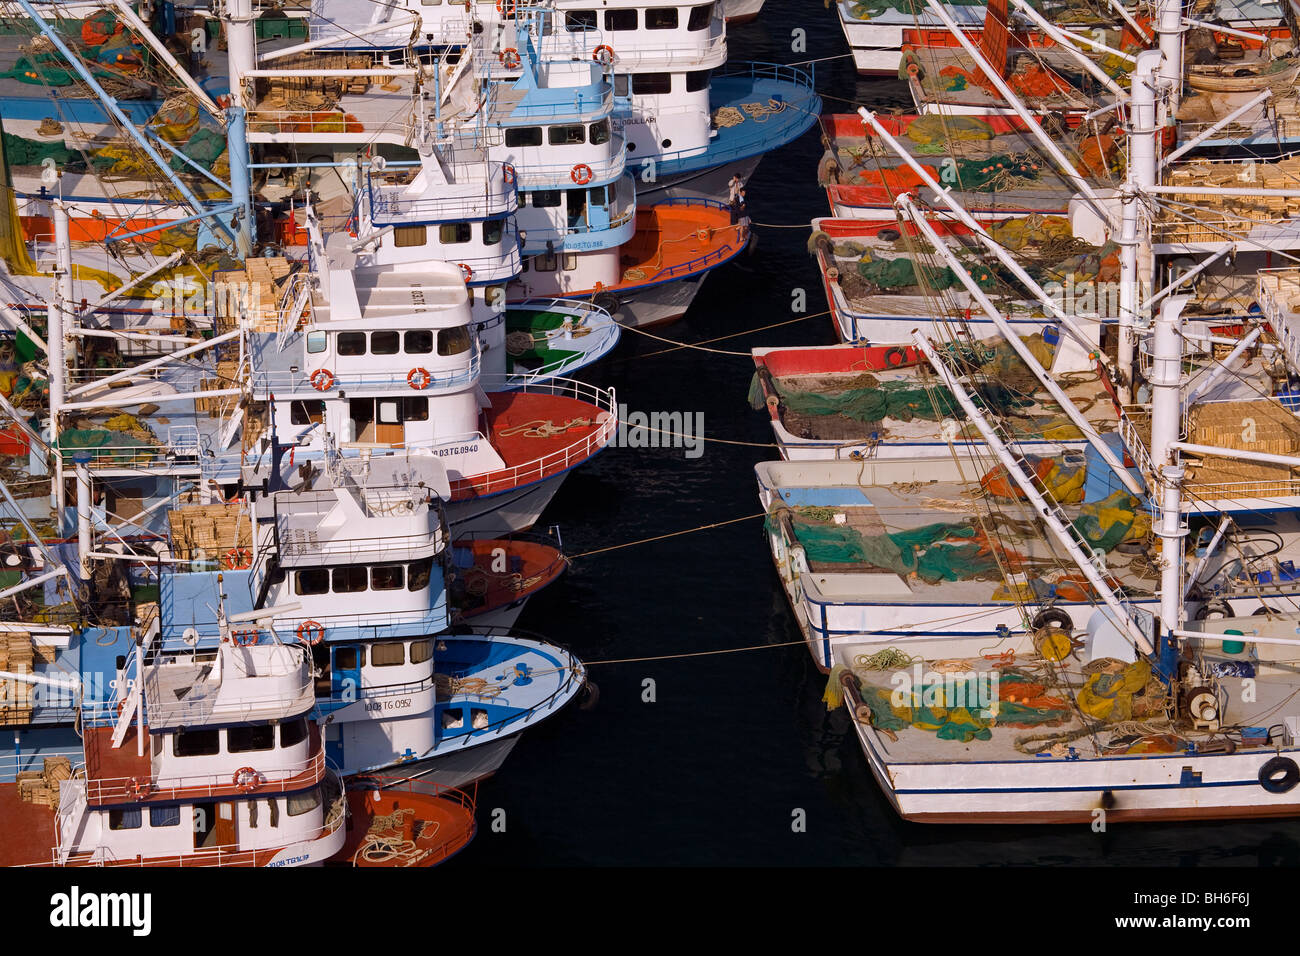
pixel 1252 426
pixel 42 786
pixel 16 697
pixel 1220 217
pixel 227 377
pixel 210 532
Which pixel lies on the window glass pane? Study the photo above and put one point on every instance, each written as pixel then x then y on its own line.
pixel 621 84
pixel 293 732
pixel 352 343
pixel 523 136
pixel 311 581
pixel 196 743
pixel 452 233
pixel 386 577
pixel 570 261
pixel 600 133
pixel 661 18
pixel 348 658
pixel 421 651
pixel 700 17
pixel 316 341
pixel 567 135
pixel 576 20
pixel 620 19
pixel 165 816
pixel 300 803
pixel 388 654
pixel 350 579
pixel 492 231
pixel 418 342
pixel 127 819
pixel 547 262
pixel 418 573
pixel 697 80
pixel 404 236
pixel 649 84
pixel 383 343
pixel 545 198
pixel 241 740
pixel 454 341
pixel 415 409
pixel 387 409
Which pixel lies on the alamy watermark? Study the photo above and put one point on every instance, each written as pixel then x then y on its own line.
pixel 975 690
pixel 660 429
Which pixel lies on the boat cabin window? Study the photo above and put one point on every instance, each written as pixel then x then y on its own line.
pixel 316 341
pixel 300 803
pixel 523 136
pixel 648 84
pixel 493 229
pixel 601 195
pixel 418 574
pixel 415 409
pixel 352 343
pixel 622 83
pixel 545 198
pixel 417 342
pixel 600 133
pixel 453 233
pixel 311 581
pixel 196 743
pixel 406 236
pixel 700 17
pixel 620 19
pixel 494 296
pixel 387 577
pixel 567 135
pixel 387 654
pixel 240 740
pixel 349 658
pixel 165 816
pixel 454 341
pixel 661 18
pixel 307 413
pixel 350 579
pixel 129 818
pixel 293 732
pixel 546 262
pixel 570 261
pixel 384 343
pixel 697 80
pixel 421 650
pixel 576 20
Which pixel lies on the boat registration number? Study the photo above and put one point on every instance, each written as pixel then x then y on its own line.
pixel 458 450
pixel 401 703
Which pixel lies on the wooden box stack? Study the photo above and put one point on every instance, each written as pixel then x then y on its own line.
pixel 42 786
pixel 1255 426
pixel 208 532
pixel 16 697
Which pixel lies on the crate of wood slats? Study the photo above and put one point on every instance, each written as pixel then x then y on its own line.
pixel 1262 426
pixel 219 405
pixel 16 697
pixel 219 533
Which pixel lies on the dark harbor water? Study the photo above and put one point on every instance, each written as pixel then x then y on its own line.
pixel 714 770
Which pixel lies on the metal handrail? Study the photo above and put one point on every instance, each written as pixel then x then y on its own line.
pixel 101 790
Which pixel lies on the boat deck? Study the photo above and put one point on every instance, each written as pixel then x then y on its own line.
pixel 29 829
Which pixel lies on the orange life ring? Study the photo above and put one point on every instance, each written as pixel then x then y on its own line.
pixel 581 174
pixel 467 272
pixel 508 174
pixel 139 789
pixel 322 379
pixel 246 638
pixel 239 558
pixel 510 58
pixel 247 779
pixel 418 379
pixel 603 60
pixel 315 628
pixel 506 8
